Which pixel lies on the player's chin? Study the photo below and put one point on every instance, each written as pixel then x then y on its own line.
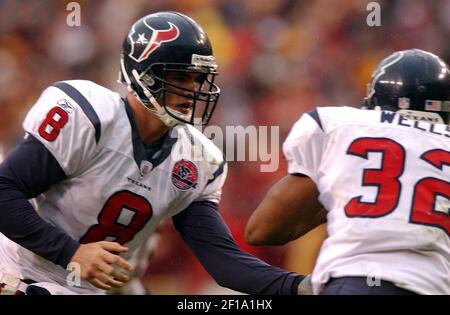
pixel 183 109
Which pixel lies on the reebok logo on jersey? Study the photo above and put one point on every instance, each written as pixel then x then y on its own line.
pixel 64 104
pixel 184 175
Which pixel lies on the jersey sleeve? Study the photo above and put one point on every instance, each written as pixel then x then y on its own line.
pixel 211 161
pixel 304 145
pixel 64 126
pixel 213 189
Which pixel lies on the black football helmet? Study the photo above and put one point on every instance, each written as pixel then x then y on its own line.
pixel 169 42
pixel 415 82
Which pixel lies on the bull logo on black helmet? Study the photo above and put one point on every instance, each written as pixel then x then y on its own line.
pixel 142 47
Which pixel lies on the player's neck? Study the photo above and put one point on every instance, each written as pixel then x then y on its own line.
pixel 149 126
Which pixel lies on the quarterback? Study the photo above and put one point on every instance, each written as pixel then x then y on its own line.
pixel 102 171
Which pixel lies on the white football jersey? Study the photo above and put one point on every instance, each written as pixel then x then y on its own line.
pixel 112 190
pixel 385 181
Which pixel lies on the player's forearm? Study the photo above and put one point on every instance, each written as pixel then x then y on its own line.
pixel 204 231
pixel 309 225
pixel 20 223
pixel 235 269
pixel 28 171
pixel 289 210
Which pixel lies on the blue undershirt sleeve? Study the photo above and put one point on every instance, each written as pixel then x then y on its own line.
pixel 207 235
pixel 29 170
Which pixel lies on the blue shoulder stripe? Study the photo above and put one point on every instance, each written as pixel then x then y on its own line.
pixel 217 173
pixel 84 104
pixel 315 115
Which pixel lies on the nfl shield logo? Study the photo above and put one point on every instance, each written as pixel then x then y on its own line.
pixel 403 102
pixel 146 167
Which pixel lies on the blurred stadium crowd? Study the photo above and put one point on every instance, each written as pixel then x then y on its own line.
pixel 277 58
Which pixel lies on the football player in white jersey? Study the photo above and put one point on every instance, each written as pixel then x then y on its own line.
pixel 383 176
pixel 103 170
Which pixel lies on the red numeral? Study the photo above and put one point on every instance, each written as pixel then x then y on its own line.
pixel 109 218
pixel 385 178
pixel 426 192
pixel 55 125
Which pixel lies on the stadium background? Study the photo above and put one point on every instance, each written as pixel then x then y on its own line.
pixel 277 58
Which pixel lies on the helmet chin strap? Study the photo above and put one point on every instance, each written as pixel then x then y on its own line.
pixel 157 109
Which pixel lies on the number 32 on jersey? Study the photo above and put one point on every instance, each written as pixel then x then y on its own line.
pixel 427 190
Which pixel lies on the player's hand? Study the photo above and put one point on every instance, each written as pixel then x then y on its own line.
pixel 100 264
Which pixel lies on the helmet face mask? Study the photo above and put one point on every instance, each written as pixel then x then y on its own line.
pixel 167 43
pixel 204 97
pixel 413 82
